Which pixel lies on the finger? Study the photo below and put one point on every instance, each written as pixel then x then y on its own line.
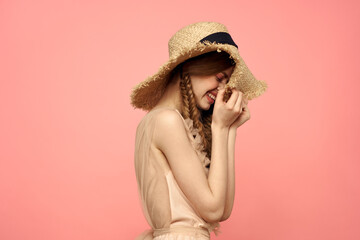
pixel 243 103
pixel 232 100
pixel 245 100
pixel 239 104
pixel 220 95
pixel 243 108
pixel 246 111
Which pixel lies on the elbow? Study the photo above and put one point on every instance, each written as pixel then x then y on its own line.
pixel 224 217
pixel 214 215
pixel 227 213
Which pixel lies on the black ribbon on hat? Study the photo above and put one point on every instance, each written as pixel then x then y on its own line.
pixel 220 37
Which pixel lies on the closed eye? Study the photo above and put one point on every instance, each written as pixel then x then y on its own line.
pixel 221 78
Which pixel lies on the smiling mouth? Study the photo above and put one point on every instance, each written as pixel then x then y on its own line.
pixel 211 96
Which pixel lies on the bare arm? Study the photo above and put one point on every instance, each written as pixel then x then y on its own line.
pixel 230 194
pixel 219 168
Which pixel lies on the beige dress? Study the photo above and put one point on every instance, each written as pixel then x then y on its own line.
pixel 166 208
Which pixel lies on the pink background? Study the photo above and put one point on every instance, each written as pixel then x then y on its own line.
pixel 67 128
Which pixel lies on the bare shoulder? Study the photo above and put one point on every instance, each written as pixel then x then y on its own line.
pixel 168 117
pixel 169 127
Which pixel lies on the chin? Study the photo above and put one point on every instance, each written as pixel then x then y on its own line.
pixel 204 107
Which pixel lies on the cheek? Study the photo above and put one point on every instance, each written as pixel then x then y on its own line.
pixel 198 93
pixel 200 87
pixel 196 86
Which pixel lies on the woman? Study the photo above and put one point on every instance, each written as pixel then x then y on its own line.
pixel 191 120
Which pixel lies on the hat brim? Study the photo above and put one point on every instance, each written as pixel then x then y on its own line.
pixel 146 94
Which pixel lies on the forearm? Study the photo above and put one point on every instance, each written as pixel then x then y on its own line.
pixel 230 193
pixel 217 177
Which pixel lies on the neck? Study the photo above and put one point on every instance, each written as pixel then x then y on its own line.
pixel 171 97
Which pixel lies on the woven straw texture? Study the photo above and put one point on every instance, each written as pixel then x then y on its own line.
pixel 185 44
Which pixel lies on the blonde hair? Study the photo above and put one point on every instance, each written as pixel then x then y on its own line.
pixel 205 64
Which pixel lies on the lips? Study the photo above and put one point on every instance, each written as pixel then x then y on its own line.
pixel 210 99
pixel 211 96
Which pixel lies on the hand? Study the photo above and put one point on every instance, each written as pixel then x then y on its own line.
pixel 225 113
pixel 244 115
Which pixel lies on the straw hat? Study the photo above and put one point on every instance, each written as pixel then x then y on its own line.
pixel 191 41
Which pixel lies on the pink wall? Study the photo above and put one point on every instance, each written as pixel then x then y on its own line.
pixel 67 128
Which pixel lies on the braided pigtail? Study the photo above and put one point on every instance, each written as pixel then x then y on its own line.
pixel 185 97
pixel 190 110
